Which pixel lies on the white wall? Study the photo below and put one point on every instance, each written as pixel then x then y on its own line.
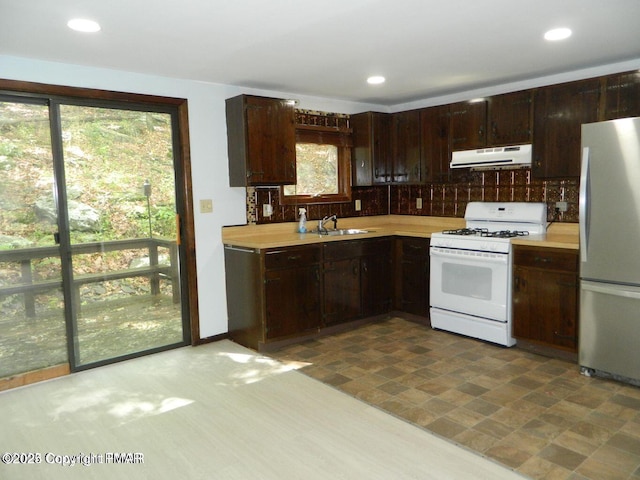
pixel 208 156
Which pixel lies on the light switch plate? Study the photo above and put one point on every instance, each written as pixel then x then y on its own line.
pixel 419 203
pixel 267 210
pixel 358 205
pixel 206 205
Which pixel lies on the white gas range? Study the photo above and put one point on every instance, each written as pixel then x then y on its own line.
pixel 471 269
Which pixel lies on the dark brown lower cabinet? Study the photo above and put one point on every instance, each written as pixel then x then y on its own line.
pixel 292 291
pixel 412 275
pixel 272 294
pixel 357 279
pixel 341 299
pixel 278 294
pixel 545 296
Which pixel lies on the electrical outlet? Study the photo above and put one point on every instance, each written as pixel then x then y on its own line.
pixel 419 203
pixel 267 210
pixel 206 205
pixel 561 206
pixel 358 205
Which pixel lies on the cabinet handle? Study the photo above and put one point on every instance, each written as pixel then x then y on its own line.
pixel 542 260
pixel 292 258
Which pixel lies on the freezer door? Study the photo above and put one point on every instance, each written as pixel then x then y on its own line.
pixel 610 329
pixel 610 201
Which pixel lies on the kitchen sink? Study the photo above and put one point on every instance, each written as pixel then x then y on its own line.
pixel 343 231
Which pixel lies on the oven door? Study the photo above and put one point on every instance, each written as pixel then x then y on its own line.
pixel 471 282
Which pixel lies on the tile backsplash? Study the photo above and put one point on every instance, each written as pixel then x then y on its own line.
pixel 438 199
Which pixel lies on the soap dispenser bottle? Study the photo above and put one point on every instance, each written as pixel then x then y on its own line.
pixel 302 224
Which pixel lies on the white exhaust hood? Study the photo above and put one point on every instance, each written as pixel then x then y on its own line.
pixel 517 156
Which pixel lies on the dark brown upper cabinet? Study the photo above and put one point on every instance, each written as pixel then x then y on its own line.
pixel 510 116
pixel 622 95
pixel 560 110
pixel 406 146
pixel 436 151
pixel 468 125
pixel 371 155
pixel 261 141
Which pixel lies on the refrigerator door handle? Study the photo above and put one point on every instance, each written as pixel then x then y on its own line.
pixel 618 291
pixel 584 204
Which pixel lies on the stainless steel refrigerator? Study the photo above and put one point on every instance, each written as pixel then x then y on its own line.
pixel 609 341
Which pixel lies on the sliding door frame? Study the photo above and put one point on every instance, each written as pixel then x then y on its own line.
pixel 184 202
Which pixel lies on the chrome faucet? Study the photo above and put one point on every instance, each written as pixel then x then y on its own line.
pixel 321 223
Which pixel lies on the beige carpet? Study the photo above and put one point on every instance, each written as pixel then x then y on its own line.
pixel 217 411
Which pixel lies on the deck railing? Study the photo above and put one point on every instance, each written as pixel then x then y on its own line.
pixel 29 285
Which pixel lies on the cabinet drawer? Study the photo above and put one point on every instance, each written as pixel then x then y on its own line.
pixel 346 249
pixel 291 257
pixel 547 258
pixel 415 246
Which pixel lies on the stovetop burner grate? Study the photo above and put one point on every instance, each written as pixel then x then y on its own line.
pixel 506 234
pixel 484 232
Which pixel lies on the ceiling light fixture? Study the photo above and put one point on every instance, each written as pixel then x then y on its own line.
pixel 83 25
pixel 376 80
pixel 557 34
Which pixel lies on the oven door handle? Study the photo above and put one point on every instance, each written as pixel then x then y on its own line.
pixel 484 257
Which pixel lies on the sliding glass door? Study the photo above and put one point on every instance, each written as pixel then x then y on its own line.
pixel 121 213
pixel 89 246
pixel 32 313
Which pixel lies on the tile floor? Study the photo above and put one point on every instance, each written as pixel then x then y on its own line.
pixel 534 414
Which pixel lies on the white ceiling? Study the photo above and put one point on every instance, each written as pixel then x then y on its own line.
pixel 327 48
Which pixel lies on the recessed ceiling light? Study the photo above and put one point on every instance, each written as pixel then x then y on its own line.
pixel 83 25
pixel 557 34
pixel 375 80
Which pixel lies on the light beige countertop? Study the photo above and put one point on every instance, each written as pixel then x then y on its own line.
pixel 559 235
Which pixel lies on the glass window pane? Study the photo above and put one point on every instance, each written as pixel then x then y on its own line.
pixel 120 184
pixel 32 325
pixel 317 170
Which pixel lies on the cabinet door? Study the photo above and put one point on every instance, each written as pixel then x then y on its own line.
pixel 271 157
pixel 523 324
pixel 468 125
pixel 560 110
pixel 545 296
pixel 545 306
pixel 376 283
pixel 371 157
pixel 407 167
pixel 341 280
pixel 509 118
pixel 292 301
pixel 436 152
pixel 622 95
pixel 412 274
